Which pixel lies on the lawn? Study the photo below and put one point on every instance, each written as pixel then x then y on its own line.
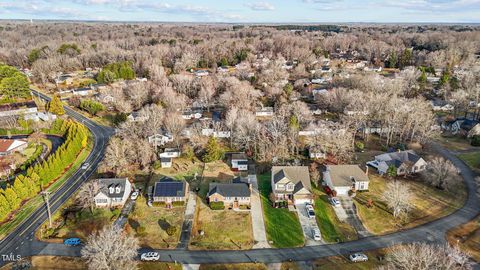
pixel 282 226
pixel 182 169
pixel 472 160
pixel 218 170
pixel 234 266
pixel 428 202
pixel 467 237
pixel 455 143
pixel 155 221
pixel 223 229
pixel 331 227
pixel 343 263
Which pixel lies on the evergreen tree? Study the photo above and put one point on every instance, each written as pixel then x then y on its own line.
pixel 4 207
pixel 55 106
pixel 12 198
pixel 391 171
pixel 213 151
pixel 20 189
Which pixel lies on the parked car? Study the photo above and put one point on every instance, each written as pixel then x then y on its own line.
pixel 150 256
pixel 310 211
pixel 334 201
pixel 72 242
pixel 85 165
pixel 358 257
pixel 134 195
pixel 316 234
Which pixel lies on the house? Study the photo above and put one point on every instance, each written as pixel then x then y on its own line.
pixel 459 125
pixel 264 112
pixel 319 91
pixel 326 69
pixel 167 157
pixel 18 109
pixel 291 184
pixel 239 162
pixel 233 195
pixel 8 146
pixel 168 190
pixel 345 178
pixel 192 114
pixel 201 73
pixel 44 116
pixel 441 105
pixel 160 139
pixel 319 81
pixel 84 91
pixel 66 79
pixel 315 152
pixel 112 192
pixel 475 131
pixel 405 162
pixel 136 117
pixel 217 134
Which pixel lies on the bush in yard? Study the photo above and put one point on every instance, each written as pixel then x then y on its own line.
pixel 360 146
pixel 171 230
pixel 157 165
pixel 141 230
pixel 217 205
pixel 213 151
pixel 178 203
pixel 475 140
pixel 244 207
pixel 158 203
pixel 91 106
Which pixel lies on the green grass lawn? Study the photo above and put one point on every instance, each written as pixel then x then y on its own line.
pixel 472 159
pixel 281 225
pixel 331 227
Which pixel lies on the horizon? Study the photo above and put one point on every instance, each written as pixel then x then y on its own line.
pixel 247 12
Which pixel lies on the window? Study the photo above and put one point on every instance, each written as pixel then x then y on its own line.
pixel 215 199
pixel 280 186
pixel 290 187
pixel 102 200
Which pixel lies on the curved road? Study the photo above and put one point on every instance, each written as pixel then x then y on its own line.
pixel 433 232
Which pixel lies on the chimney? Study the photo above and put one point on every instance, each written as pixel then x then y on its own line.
pixel 366 172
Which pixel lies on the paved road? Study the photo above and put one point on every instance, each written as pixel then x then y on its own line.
pixel 433 232
pixel 21 241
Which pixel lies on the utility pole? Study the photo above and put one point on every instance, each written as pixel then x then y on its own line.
pixel 46 196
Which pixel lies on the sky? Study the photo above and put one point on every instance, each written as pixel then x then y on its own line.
pixel 238 11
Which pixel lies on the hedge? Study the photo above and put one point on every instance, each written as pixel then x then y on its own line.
pixel 217 206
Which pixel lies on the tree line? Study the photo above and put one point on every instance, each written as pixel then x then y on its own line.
pixel 40 176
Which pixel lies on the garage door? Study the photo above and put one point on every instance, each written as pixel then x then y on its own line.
pixel 302 201
pixel 342 191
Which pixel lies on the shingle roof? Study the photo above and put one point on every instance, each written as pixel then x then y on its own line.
pixel 229 190
pixel 106 183
pixel 398 158
pixel 298 175
pixel 342 175
pixel 239 156
pixel 168 187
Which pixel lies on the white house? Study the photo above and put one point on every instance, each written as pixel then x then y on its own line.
pixel 85 91
pixel 160 139
pixel 19 108
pixel 316 152
pixel 240 161
pixel 189 114
pixel 112 192
pixel 405 162
pixel 136 117
pixel 166 162
pixel 201 73
pixel 345 178
pixel 319 91
pixel 167 157
pixel 217 134
pixel 264 112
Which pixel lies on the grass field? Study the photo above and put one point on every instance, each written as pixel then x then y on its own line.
pixel 223 229
pixel 472 160
pixel 467 237
pixel 182 169
pixel 331 227
pixel 282 226
pixel 428 202
pixel 343 263
pixel 156 220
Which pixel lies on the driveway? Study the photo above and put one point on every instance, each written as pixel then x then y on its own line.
pixel 347 212
pixel 258 224
pixel 308 224
pixel 122 219
pixel 187 221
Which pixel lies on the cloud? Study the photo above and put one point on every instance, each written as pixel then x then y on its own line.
pixel 432 6
pixel 261 6
pixel 37 9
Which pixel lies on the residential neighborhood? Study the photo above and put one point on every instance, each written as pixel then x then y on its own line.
pixel 216 141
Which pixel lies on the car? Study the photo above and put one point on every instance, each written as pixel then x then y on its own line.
pixel 150 256
pixel 358 257
pixel 85 165
pixel 310 211
pixel 334 201
pixel 316 234
pixel 72 242
pixel 134 195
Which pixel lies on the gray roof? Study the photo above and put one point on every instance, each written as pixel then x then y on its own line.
pixel 398 158
pixel 298 175
pixel 106 183
pixel 343 175
pixel 229 190
pixel 167 187
pixel 239 156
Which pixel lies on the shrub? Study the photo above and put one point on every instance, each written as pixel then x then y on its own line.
pixel 158 203
pixel 475 140
pixel 171 230
pixel 178 203
pixel 157 165
pixel 360 146
pixel 244 207
pixel 217 206
pixel 141 230
pixel 91 106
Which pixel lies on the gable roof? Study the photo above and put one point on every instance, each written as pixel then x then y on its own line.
pixel 106 183
pixel 342 175
pixel 167 187
pixel 298 175
pixel 238 156
pixel 8 145
pixel 398 158
pixel 229 190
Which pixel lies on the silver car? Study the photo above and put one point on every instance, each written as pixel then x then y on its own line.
pixel 150 256
pixel 358 257
pixel 316 234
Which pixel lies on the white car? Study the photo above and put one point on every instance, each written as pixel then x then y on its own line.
pixel 358 257
pixel 150 256
pixel 85 165
pixel 334 201
pixel 316 234
pixel 310 211
pixel 134 195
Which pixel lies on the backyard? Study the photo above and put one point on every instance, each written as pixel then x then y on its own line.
pixel 222 229
pixel 282 226
pixel 429 203
pixel 182 169
pixel 151 224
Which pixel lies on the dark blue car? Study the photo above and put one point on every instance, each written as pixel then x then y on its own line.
pixel 72 242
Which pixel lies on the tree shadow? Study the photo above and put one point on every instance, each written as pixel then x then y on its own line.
pixel 163 223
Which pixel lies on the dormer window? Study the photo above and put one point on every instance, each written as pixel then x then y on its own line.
pixel 118 189
pixel 111 189
pixel 290 187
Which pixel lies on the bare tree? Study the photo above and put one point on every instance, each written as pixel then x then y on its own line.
pixel 86 194
pixel 110 249
pixel 397 195
pixel 424 256
pixel 174 124
pixel 441 173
